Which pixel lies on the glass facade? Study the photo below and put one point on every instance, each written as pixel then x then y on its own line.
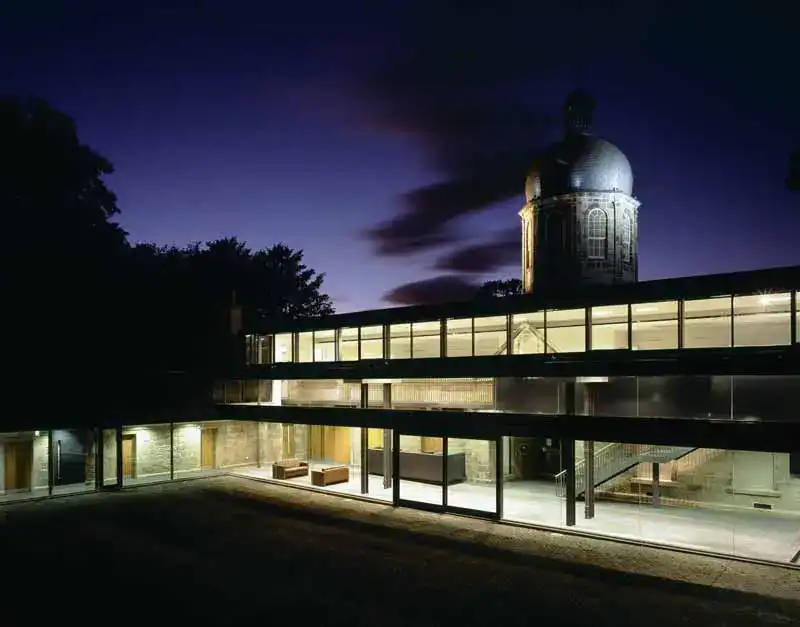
pixel 731 502
pixel 725 321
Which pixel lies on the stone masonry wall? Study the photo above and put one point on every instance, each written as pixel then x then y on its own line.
pixel 109 456
pixel 187 439
pixel 480 458
pixel 152 450
pixel 39 478
pixel 237 443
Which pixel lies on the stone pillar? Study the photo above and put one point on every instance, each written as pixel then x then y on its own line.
pixel 119 456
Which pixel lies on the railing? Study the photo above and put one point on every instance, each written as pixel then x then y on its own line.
pixel 613 459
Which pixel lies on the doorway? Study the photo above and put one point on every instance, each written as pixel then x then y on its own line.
pixel 18 465
pixel 208 448
pixel 129 456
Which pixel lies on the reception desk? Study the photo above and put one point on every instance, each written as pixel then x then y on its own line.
pixel 422 467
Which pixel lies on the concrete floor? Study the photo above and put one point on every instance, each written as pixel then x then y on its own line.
pixel 762 535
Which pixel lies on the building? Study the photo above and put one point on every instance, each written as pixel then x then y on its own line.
pixel 660 412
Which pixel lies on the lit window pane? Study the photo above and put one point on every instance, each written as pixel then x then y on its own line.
pixel 426 339
pixel 283 347
pixel 372 342
pixel 566 331
pixel 762 320
pixel 305 346
pixel 527 333
pixel 654 326
pixel 400 341
pixel 325 345
pixel 491 336
pixel 707 323
pixel 610 327
pixel 348 344
pixel 459 337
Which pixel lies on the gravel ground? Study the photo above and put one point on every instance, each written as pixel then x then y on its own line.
pixel 226 550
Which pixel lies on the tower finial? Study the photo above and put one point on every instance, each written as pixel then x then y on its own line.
pixel 578 112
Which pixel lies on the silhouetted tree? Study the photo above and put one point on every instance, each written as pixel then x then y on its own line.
pixel 60 252
pixel 101 316
pixel 500 288
pixel 185 296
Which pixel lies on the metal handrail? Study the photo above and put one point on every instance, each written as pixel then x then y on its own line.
pixel 608 461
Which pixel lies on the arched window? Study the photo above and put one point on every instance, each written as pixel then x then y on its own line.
pixel 626 238
pixel 597 233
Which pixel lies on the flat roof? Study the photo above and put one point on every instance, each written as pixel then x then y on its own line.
pixel 767 280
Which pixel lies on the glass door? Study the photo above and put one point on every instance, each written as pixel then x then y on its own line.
pixel 421 471
pixel 472 476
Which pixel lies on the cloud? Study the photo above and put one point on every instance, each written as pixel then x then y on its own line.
pixel 461 80
pixel 439 289
pixel 431 212
pixel 502 251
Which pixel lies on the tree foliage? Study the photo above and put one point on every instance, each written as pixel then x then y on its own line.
pixel 79 293
pixel 195 287
pixel 500 288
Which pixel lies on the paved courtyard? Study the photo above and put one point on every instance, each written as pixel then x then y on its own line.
pixel 226 550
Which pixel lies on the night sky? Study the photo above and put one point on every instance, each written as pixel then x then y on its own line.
pixel 314 125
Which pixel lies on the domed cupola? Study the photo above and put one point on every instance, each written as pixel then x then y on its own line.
pixel 580 219
pixel 582 162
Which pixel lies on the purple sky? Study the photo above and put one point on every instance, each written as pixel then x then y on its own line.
pixel 222 122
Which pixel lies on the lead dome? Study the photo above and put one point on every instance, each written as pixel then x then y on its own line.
pixel 580 162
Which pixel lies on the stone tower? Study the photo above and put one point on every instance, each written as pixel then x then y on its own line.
pixel 580 219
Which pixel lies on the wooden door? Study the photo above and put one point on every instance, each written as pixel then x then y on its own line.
pixel 18 465
pixel 208 448
pixel 339 444
pixel 129 456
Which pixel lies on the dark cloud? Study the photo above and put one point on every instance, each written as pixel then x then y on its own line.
pixel 461 80
pixel 439 289
pixel 430 212
pixel 502 251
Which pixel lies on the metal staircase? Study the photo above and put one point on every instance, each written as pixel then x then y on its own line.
pixel 613 459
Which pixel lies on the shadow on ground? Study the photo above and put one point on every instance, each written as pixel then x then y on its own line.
pixel 224 550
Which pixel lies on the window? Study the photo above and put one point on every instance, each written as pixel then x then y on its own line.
pixel 610 327
pixel 527 333
pixel 283 347
pixel 348 344
pixel 626 238
pixel 459 337
pixel 426 339
pixel 566 331
pixel 654 326
pixel 707 323
pixel 372 342
pixel 400 341
pixel 325 345
pixel 597 233
pixel 305 346
pixel 762 320
pixel 491 336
